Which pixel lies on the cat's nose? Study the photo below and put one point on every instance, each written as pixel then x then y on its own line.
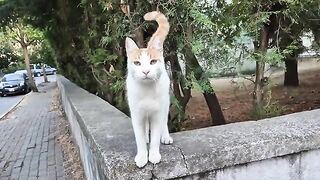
pixel 146 72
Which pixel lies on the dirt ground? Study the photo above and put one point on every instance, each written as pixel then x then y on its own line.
pixel 71 155
pixel 235 97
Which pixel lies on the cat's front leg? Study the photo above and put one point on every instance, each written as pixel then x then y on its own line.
pixel 138 124
pixel 147 131
pixel 155 127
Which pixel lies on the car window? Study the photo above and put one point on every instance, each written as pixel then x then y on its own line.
pixel 12 77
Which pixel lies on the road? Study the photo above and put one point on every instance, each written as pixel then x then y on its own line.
pixel 51 78
pixel 8 102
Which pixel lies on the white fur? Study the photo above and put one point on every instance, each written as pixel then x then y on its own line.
pixel 149 100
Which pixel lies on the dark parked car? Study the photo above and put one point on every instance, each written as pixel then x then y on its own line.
pixel 14 84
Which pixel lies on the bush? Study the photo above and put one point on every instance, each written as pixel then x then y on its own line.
pixel 268 111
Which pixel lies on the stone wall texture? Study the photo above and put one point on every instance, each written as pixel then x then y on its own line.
pixel 285 147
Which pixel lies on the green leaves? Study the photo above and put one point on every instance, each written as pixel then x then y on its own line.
pixel 101 56
pixel 273 56
pixel 23 34
pixel 201 19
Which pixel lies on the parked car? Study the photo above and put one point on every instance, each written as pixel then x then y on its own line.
pixel 36 70
pixel 50 70
pixel 14 83
pixel 21 72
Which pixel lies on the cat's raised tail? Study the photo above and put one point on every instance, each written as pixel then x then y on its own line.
pixel 157 39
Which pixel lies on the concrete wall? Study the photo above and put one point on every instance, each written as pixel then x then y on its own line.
pixel 285 147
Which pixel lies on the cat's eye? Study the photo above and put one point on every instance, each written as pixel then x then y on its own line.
pixel 137 63
pixel 153 61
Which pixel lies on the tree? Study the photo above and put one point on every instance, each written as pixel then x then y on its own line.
pixel 88 39
pixel 275 28
pixel 26 36
pixel 43 53
pixel 45 78
pixel 296 19
pixel 103 50
pixel 7 54
pixel 6 57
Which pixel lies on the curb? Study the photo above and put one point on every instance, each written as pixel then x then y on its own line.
pixel 13 106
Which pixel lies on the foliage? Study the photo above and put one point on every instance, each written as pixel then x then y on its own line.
pixel 271 110
pixel 23 34
pixel 87 38
pixel 7 57
pixel 43 53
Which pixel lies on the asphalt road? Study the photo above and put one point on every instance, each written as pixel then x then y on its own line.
pixel 8 102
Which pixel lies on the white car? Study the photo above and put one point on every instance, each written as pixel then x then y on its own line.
pixel 50 70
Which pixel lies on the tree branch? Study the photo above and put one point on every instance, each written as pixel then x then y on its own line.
pixel 30 42
pixel 94 75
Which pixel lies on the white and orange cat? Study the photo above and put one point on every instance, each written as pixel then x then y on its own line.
pixel 148 96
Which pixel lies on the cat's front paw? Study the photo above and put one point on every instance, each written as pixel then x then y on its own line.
pixel 154 157
pixel 166 139
pixel 141 159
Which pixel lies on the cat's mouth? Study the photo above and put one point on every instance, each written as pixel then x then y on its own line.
pixel 146 78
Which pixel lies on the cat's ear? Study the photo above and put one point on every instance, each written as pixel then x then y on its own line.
pixel 156 43
pixel 130 45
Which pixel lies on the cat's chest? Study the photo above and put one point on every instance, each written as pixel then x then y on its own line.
pixel 150 105
pixel 148 99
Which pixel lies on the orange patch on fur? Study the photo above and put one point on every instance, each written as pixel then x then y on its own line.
pixel 152 53
pixel 135 54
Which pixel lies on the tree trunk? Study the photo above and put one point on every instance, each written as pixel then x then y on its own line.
pixel 214 108
pixel 31 83
pixel 258 86
pixel 138 37
pixel 316 33
pixel 181 91
pixel 192 63
pixel 291 77
pixel 45 78
pixel 208 93
pixel 260 66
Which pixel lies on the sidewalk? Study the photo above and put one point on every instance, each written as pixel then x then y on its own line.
pixel 28 146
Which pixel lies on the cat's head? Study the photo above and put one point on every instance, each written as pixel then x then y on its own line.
pixel 145 64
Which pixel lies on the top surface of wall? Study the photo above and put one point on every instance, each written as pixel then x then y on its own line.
pixel 193 151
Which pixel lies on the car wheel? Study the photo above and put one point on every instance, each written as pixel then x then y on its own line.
pixel 1 95
pixel 38 74
pixel 26 91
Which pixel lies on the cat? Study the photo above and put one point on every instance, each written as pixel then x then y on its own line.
pixel 147 86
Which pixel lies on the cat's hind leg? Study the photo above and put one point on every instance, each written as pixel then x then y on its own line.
pixel 165 136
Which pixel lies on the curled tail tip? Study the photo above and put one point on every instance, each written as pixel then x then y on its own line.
pixel 152 15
